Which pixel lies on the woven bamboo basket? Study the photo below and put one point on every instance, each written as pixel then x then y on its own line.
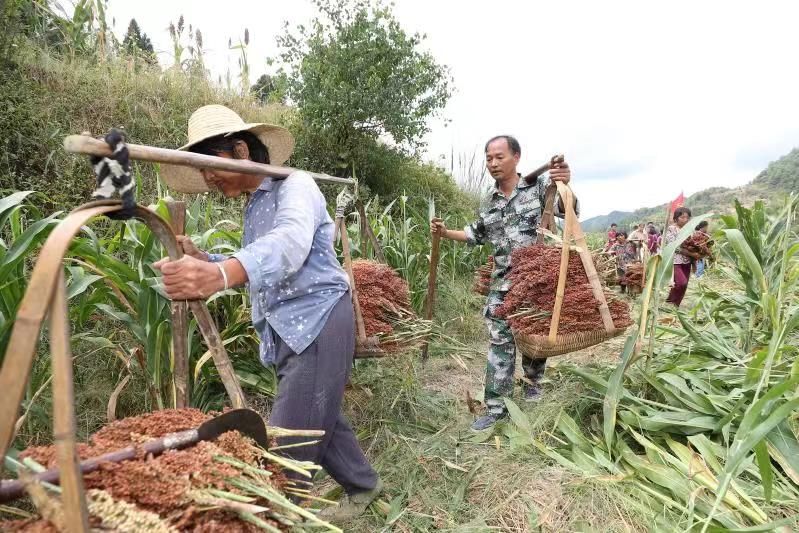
pixel 46 299
pixel 544 346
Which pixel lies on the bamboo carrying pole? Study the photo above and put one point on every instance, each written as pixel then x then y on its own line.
pixel 430 299
pixel 76 513
pixel 84 144
pixel 364 346
pixel 180 326
pixel 571 231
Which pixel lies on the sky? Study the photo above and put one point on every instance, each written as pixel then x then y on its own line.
pixel 645 99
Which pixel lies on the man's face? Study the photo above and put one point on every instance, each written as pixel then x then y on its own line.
pixel 228 183
pixel 500 161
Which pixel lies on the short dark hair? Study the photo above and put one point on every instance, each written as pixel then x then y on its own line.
pixel 513 143
pixel 653 230
pixel 613 224
pixel 621 234
pixel 680 211
pixel 225 144
pixel 650 223
pixel 702 225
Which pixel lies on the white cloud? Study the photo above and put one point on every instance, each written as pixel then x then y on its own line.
pixel 644 99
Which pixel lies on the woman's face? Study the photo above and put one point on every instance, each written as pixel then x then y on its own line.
pixel 230 184
pixel 683 219
pixel 621 239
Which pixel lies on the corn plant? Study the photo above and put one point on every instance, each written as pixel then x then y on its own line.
pixel 706 429
pixel 110 277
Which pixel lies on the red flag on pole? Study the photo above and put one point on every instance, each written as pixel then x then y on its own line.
pixel 677 202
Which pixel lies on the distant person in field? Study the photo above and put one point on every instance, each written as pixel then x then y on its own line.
pixel 626 253
pixel 301 299
pixel 508 219
pixel 701 263
pixel 638 239
pixel 682 262
pixel 612 230
pixel 653 239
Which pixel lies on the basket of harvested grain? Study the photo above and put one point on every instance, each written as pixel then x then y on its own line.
pixel 556 304
pixel 143 473
pixel 384 319
pixel 482 277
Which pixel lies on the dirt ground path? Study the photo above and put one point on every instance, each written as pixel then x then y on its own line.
pixel 453 480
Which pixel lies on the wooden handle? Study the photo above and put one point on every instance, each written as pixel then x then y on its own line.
pixel 345 250
pixel 83 144
pixel 430 300
pixel 532 176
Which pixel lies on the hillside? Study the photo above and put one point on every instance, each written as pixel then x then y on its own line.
pixel 777 179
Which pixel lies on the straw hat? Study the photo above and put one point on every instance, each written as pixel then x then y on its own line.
pixel 211 121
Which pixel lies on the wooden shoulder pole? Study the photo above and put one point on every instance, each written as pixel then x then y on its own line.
pixel 430 299
pixel 180 324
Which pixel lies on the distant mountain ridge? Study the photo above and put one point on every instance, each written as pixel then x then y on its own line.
pixel 779 178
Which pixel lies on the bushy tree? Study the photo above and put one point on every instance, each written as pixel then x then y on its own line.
pixel 356 76
pixel 267 89
pixel 137 43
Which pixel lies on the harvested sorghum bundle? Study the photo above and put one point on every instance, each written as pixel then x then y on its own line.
pixel 180 490
pixel 482 277
pixel 698 243
pixel 634 275
pixel 385 302
pixel 534 280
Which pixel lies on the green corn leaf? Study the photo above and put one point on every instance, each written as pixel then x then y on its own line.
pixel 747 257
pixel 783 446
pixel 616 389
pixel 10 203
pixel 26 242
pixel 519 418
pixel 766 471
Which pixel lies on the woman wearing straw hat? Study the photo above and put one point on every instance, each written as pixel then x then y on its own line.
pixel 301 304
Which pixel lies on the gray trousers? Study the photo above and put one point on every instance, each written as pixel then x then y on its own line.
pixel 309 395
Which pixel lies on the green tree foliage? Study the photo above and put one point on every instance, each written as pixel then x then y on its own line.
pixel 136 43
pixel 782 174
pixel 267 89
pixel 355 74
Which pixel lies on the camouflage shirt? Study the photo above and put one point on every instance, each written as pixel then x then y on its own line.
pixel 509 223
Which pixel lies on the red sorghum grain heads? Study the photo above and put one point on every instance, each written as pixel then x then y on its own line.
pixel 534 278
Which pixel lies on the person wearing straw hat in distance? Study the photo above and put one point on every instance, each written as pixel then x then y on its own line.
pixel 508 218
pixel 301 302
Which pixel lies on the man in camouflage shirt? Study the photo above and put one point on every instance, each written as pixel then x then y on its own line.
pixel 508 219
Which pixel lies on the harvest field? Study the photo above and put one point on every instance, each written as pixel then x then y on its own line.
pixel 689 421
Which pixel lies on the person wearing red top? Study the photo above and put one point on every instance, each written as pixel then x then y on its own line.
pixel 611 236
